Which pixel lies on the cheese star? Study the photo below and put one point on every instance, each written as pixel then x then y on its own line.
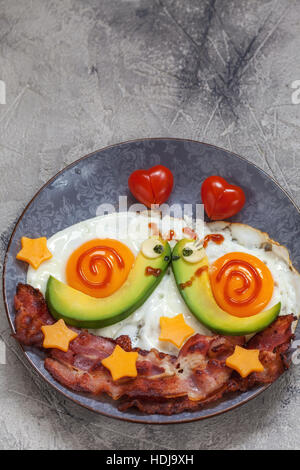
pixel 121 363
pixel 175 330
pixel 34 251
pixel 245 361
pixel 58 336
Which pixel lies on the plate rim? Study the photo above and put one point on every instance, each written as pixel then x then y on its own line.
pixel 143 419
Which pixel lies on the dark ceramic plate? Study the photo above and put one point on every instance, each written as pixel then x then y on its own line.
pixel 75 193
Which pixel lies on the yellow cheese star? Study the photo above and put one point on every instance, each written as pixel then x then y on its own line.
pixel 34 251
pixel 175 330
pixel 245 361
pixel 121 363
pixel 58 336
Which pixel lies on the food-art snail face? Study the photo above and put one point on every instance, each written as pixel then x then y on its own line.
pixel 166 300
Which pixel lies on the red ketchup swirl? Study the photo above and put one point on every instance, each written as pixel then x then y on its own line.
pixel 98 253
pixel 251 276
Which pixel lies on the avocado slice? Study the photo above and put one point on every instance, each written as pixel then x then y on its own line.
pixel 199 298
pixel 84 311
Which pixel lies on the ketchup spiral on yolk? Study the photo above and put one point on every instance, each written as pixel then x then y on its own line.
pixel 242 284
pixel 99 267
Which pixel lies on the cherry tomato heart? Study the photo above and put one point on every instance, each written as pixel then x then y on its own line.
pixel 221 199
pixel 152 186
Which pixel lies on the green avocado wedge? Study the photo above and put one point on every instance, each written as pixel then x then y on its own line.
pixel 200 300
pixel 81 310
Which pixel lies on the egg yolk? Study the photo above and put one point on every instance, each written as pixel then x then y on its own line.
pixel 241 283
pixel 99 267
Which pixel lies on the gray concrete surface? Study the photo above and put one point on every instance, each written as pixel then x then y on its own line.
pixel 82 74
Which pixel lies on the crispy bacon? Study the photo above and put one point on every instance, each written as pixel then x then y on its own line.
pixel 31 313
pixel 197 372
pixel 165 384
pixel 274 338
pixel 273 344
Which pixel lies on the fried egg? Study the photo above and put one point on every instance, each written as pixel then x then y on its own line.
pixel 127 231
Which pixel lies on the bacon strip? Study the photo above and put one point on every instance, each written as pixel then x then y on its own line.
pixel 198 371
pixel 165 384
pixel 31 314
pixel 275 337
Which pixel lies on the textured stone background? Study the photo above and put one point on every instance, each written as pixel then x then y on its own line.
pixel 81 74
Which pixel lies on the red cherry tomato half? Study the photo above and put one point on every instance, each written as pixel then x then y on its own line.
pixel 221 199
pixel 152 186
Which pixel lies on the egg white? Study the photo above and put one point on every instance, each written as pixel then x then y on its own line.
pixel 132 229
